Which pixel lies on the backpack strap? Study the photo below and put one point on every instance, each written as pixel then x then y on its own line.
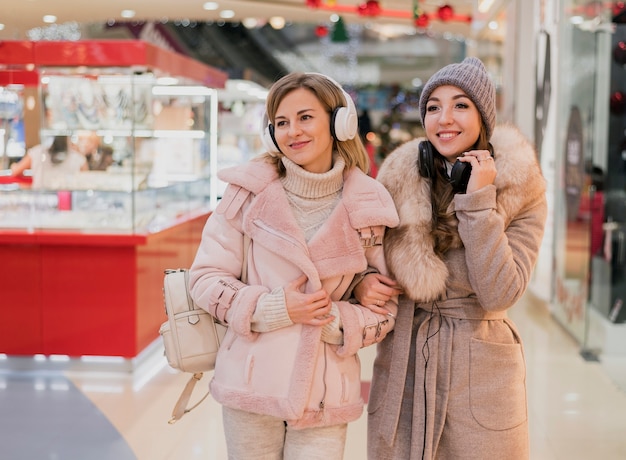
pixel 181 406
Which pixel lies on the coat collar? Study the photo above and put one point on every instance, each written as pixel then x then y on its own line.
pixel 336 248
pixel 409 247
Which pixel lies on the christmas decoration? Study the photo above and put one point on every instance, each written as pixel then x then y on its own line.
pixel 619 53
pixel 445 13
pixel 422 21
pixel 321 31
pixel 619 12
pixel 373 8
pixel 369 8
pixel 618 103
pixel 339 33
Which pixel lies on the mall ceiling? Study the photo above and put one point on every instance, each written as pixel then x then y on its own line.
pixel 23 15
pixel 391 49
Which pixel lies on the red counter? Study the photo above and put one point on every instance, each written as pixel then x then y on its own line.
pixel 78 294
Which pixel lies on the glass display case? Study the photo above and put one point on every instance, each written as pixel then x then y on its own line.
pixel 84 248
pixel 147 131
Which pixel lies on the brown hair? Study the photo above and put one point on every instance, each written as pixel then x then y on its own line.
pixel 330 96
pixel 58 150
pixel 444 224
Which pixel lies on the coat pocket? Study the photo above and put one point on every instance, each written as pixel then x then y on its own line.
pixel 497 384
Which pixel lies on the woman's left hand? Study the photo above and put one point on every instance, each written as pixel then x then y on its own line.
pixel 483 169
pixel 375 290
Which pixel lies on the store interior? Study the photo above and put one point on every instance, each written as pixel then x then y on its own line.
pixel 159 103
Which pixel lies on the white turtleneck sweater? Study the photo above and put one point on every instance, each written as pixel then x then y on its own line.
pixel 312 197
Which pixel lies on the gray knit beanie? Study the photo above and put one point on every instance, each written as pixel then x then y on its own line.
pixel 472 77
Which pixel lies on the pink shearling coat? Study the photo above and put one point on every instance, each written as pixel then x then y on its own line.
pixel 290 372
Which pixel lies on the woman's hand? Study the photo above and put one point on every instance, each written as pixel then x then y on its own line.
pixel 375 290
pixel 312 309
pixel 483 169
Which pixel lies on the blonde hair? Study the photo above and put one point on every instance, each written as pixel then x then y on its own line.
pixel 330 96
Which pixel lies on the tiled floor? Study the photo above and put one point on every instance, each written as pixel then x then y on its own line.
pixel 577 412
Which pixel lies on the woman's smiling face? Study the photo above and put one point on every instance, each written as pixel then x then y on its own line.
pixel 302 131
pixel 452 121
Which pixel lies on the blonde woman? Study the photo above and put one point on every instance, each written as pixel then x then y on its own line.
pixel 287 373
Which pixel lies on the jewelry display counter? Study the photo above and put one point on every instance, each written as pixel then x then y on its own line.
pixel 67 293
pixel 82 253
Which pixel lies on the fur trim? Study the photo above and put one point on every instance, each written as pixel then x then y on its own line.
pixel 409 247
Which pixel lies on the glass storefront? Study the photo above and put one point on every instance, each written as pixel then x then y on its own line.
pixel 589 232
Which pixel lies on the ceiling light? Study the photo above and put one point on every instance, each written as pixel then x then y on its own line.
pixel 485 5
pixel 277 22
pixel 49 19
pixel 250 23
pixel 227 14
pixel 128 14
pixel 1 26
pixel 210 6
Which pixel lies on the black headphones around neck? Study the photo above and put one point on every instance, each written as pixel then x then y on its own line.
pixel 459 175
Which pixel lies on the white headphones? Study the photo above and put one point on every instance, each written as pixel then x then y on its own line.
pixel 344 121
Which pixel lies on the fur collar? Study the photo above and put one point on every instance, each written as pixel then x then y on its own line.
pixel 409 247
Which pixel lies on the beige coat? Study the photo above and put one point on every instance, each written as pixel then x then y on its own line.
pixel 472 364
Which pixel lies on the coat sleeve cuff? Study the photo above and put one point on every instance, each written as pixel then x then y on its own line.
pixel 485 198
pixel 361 327
pixel 332 332
pixel 271 312
pixel 240 316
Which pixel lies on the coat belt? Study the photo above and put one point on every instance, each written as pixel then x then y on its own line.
pixel 461 308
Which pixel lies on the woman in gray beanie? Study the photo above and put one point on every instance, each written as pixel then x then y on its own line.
pixel 449 382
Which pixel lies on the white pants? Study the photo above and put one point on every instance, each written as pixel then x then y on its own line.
pixel 262 437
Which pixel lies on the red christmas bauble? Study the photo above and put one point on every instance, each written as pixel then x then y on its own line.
pixel 369 8
pixel 445 12
pixel 619 53
pixel 321 31
pixel 619 12
pixel 422 21
pixel 618 103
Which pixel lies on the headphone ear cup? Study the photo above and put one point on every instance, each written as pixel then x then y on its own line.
pixel 459 176
pixel 344 121
pixel 426 163
pixel 267 137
